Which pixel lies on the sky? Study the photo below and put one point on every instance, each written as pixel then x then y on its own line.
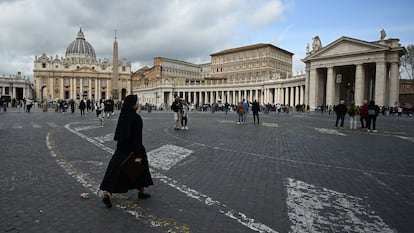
pixel 190 30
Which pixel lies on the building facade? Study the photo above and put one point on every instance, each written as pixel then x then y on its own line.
pixel 259 72
pixel 15 87
pixel 81 75
pixel 407 93
pixel 353 70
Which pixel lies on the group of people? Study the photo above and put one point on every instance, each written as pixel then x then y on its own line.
pixel 367 113
pixel 180 110
pixel 26 104
pixel 242 110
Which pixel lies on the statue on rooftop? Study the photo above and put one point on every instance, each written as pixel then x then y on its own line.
pixel 316 45
pixel 383 34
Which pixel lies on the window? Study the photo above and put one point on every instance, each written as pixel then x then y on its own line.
pixel 43 65
pixel 123 68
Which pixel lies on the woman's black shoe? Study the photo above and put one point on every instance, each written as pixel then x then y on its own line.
pixel 143 195
pixel 107 201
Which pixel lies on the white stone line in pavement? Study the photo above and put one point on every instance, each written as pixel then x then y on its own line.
pixel 107 138
pixel 84 179
pixel 240 217
pixel 96 143
pixel 330 131
pixel 273 125
pixel 167 156
pixel 410 139
pixel 227 121
pixel 51 124
pixel 318 209
pixel 35 125
pixel 17 126
pixel 84 128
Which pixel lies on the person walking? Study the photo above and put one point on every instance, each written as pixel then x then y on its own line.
pixel 100 107
pixel 177 109
pixel 353 111
pixel 255 110
pixel 340 110
pixel 184 118
pixel 88 105
pixel 373 111
pixel 363 114
pixel 128 134
pixel 72 105
pixel 29 104
pixel 246 109
pixel 65 107
pixel 240 112
pixel 82 106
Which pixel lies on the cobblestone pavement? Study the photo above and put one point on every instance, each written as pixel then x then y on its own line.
pixel 290 173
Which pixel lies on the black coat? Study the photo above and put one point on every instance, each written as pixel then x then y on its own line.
pixel 341 109
pixel 255 107
pixel 128 135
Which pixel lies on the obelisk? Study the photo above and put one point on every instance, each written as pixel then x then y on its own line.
pixel 115 72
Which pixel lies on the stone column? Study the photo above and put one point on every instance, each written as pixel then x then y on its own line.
pixel 286 96
pixel 281 95
pixel 51 90
pixel 380 81
pixel 330 87
pixel 292 96
pixel 269 96
pixel 394 86
pixel 313 91
pixel 307 87
pixel 359 84
pixel 276 95
pixel 62 88
pixel 297 90
pixel 302 95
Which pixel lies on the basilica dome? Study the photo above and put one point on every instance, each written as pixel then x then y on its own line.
pixel 80 47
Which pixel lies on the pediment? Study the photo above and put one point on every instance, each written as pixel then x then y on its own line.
pixel 346 46
pixel 86 69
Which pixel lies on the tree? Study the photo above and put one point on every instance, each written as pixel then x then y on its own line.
pixel 407 62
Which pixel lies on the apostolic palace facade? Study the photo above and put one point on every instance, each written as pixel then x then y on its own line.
pixel 346 69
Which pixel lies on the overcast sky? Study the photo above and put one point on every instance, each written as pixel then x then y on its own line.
pixel 190 30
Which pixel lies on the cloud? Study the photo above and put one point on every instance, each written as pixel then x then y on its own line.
pixel 188 30
pixel 266 14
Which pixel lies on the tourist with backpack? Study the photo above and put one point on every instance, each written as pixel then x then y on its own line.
pixel 373 111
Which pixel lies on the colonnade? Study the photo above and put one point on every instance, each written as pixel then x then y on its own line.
pixel 292 95
pixel 95 88
pixel 377 81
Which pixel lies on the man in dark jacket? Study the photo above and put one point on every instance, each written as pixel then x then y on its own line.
pixel 255 110
pixel 340 110
pixel 177 108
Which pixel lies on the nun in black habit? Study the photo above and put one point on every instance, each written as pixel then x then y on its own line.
pixel 128 135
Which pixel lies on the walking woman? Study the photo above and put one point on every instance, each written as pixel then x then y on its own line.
pixel 128 135
pixel 82 107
